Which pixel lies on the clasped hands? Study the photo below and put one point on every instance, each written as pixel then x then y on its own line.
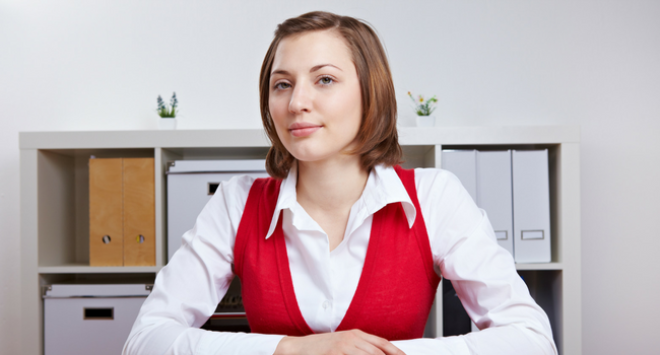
pixel 350 342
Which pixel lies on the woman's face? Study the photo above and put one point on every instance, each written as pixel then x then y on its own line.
pixel 314 97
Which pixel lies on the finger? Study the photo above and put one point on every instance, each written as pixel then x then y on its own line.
pixel 383 344
pixel 355 344
pixel 368 348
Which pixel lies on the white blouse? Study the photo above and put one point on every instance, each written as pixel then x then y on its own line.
pixel 187 290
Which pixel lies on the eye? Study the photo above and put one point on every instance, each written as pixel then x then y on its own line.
pixel 326 80
pixel 281 86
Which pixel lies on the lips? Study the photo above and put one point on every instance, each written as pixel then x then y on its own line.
pixel 303 129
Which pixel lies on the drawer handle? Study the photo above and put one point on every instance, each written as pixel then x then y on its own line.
pixel 99 313
pixel 140 239
pixel 106 239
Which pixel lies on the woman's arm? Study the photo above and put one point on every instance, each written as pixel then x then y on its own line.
pixel 189 288
pixel 484 275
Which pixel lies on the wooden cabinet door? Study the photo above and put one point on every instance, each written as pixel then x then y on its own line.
pixel 105 213
pixel 139 212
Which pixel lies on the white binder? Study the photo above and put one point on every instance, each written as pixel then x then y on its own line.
pixel 463 163
pixel 190 186
pixel 494 193
pixel 531 206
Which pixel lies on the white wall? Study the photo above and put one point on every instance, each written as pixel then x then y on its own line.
pixel 99 65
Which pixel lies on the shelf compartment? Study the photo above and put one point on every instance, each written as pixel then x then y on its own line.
pixel 63 202
pixel 545 287
pixel 420 156
pixel 554 161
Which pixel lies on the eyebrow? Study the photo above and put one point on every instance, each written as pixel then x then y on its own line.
pixel 317 67
pixel 314 68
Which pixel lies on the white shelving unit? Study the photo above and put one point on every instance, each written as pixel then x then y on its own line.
pixel 55 197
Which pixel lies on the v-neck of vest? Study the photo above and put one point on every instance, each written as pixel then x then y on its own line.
pixel 286 280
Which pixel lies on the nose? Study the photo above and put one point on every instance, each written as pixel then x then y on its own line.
pixel 301 100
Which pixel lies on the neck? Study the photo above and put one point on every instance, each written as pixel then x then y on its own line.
pixel 331 184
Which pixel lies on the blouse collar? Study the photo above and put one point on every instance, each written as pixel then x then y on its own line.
pixel 383 187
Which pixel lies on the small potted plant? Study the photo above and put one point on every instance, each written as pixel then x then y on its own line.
pixel 424 108
pixel 167 114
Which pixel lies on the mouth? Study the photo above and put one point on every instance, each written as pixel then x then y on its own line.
pixel 303 129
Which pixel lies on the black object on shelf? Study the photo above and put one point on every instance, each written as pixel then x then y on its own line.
pixel 229 316
pixel 455 320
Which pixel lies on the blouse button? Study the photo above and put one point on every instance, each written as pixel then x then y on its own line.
pixel 326 304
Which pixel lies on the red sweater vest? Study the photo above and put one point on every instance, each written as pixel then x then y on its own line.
pixel 395 291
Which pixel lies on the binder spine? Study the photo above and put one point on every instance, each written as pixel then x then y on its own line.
pixel 531 206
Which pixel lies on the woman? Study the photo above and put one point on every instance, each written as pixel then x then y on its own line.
pixel 341 251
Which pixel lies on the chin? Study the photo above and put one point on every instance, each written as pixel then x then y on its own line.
pixel 309 157
pixel 316 150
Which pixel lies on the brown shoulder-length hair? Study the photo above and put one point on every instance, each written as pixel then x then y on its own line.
pixel 377 139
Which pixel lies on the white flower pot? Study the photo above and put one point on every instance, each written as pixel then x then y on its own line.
pixel 167 123
pixel 425 121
